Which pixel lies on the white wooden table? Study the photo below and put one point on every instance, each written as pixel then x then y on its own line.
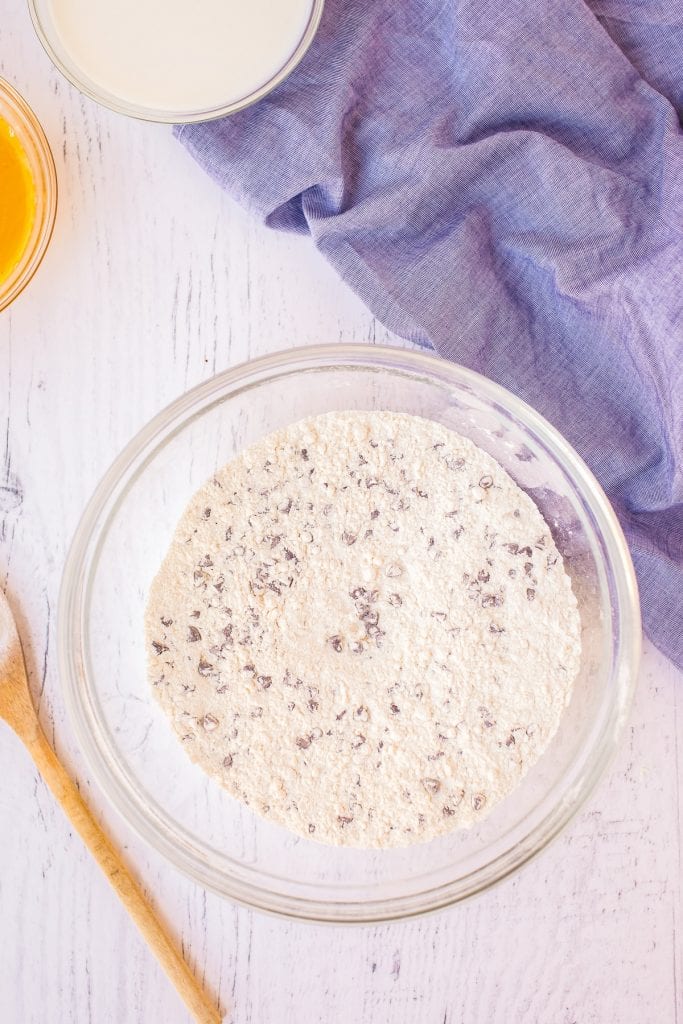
pixel 154 281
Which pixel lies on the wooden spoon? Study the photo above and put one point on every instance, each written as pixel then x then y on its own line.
pixel 16 707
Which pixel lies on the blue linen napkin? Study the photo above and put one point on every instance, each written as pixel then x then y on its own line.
pixel 504 182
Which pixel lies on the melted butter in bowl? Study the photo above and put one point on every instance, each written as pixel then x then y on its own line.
pixel 17 200
pixel 28 193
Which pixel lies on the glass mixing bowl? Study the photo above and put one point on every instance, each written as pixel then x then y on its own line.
pixel 126 738
pixel 17 113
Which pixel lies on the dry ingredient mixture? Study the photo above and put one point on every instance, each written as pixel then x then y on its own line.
pixel 364 630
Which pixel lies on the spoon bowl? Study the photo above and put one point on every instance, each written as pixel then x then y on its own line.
pixel 16 707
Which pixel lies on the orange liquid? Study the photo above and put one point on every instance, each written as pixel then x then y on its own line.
pixel 17 200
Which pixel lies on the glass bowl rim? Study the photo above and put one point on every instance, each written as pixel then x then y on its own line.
pixel 74 603
pixel 42 160
pixel 71 72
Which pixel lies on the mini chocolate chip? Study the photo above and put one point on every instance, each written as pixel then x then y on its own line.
pixel 166 622
pixel 361 713
pixel 371 481
pixel 483 576
pixel 344 820
pixel 227 761
pixel 360 738
pixel 374 514
pixel 209 722
pixel 303 742
pixel 486 482
pixel 264 681
pixel 356 647
pixel 530 594
pixel 311 827
pixel 349 538
pixel 193 634
pixel 304 454
pixel 395 600
pixel 159 648
pixel 478 801
pixel 336 643
pixel 395 709
pixel 431 785
pixel 205 668
pixel 207 513
pixel 447 812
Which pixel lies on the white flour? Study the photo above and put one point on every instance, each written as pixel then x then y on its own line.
pixel 364 630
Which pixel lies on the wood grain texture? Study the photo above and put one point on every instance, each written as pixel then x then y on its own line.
pixel 17 710
pixel 155 280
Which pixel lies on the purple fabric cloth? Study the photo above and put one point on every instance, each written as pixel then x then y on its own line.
pixel 504 182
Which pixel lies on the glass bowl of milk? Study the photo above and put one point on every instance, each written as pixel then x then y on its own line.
pixel 176 61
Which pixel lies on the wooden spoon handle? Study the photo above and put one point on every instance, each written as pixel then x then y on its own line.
pixel 66 793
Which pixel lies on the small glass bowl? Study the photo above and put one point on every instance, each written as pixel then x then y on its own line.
pixel 129 743
pixel 48 34
pixel 16 111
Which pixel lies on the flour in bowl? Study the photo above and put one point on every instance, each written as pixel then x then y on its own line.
pixel 363 629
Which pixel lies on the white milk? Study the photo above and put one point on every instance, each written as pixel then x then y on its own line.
pixel 180 55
